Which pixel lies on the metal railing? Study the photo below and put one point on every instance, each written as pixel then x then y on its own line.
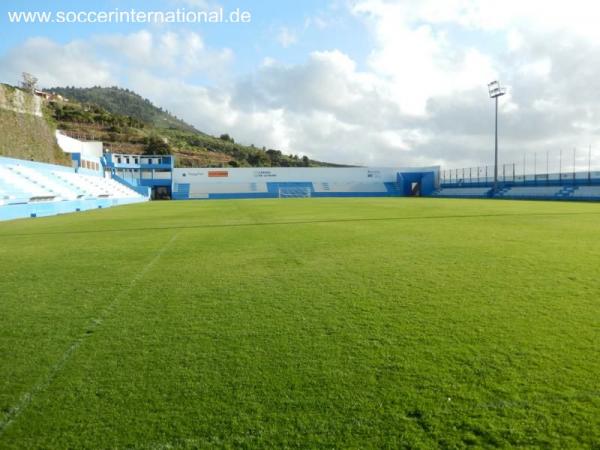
pixel 535 171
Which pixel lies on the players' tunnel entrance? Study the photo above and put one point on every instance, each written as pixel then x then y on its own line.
pixel 415 189
pixel 161 193
pixel 416 184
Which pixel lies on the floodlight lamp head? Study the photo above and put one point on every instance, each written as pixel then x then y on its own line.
pixel 495 89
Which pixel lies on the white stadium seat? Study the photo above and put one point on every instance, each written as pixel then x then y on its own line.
pixel 587 192
pixel 23 188
pixel 23 184
pixel 96 186
pixel 58 189
pixel 533 191
pixel 464 192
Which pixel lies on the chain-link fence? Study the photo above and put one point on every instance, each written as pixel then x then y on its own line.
pixel 538 168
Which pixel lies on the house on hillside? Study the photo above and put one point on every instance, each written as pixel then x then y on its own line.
pixel 50 96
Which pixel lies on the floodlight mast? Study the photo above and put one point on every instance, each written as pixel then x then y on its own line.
pixel 496 91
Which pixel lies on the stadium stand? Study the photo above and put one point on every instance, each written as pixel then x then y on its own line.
pixel 91 186
pixel 532 192
pixel 30 189
pixel 586 192
pixel 22 189
pixel 462 192
pixel 52 188
pixel 556 192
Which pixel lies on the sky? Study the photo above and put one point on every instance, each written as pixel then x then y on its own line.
pixel 366 82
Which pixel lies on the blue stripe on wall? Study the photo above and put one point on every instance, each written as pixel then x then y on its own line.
pixel 44 209
pixel 314 194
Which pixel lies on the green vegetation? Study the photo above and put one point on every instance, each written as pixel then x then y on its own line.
pixel 125 121
pixel 157 146
pixel 337 323
pixel 26 136
pixel 125 103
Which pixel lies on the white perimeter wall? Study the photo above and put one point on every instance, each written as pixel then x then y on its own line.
pixel 204 182
pixel 291 174
pixel 90 150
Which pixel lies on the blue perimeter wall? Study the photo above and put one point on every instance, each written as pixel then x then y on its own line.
pixel 44 209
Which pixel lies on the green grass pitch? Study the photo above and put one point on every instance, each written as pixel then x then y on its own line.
pixel 330 323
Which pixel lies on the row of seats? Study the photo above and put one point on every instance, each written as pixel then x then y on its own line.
pixel 586 192
pixel 41 181
pixel 18 188
pixel 558 192
pixel 532 191
pixel 91 186
pixel 24 184
pixel 463 192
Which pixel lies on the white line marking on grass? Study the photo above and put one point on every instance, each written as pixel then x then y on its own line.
pixel 45 382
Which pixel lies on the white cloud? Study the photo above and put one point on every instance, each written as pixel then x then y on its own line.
pixel 417 58
pixel 539 68
pixel 514 40
pixel 203 5
pixel 317 22
pixel 542 16
pixel 286 37
pixel 136 48
pixel 105 59
pixel 53 64
pixel 183 52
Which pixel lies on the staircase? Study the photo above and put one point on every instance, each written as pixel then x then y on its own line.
pixel 501 192
pixel 566 191
pixel 394 189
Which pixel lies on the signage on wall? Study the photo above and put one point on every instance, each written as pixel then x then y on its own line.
pixel 264 174
pixel 193 174
pixel 373 174
pixel 218 174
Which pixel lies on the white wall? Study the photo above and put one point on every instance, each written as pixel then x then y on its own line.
pixel 90 150
pixel 290 174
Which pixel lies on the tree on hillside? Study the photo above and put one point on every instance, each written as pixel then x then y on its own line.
pixel 275 156
pixel 29 82
pixel 156 145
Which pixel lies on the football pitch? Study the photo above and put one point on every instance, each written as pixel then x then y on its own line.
pixel 335 323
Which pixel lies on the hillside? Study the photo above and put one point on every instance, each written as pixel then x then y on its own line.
pixel 125 122
pixel 126 103
pixel 25 131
